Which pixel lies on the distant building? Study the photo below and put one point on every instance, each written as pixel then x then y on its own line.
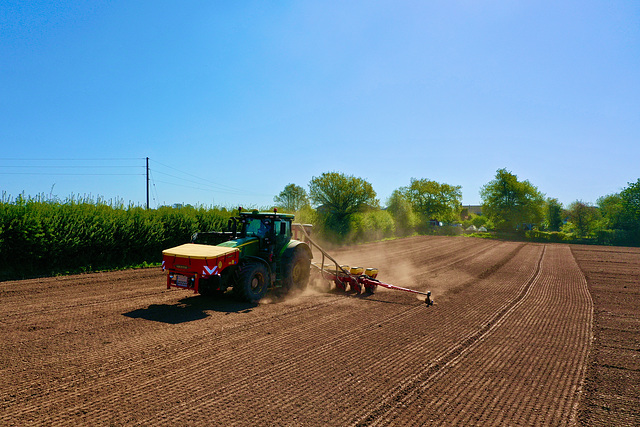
pixel 473 209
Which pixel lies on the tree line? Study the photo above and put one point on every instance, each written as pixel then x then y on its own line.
pixel 41 236
pixel 346 208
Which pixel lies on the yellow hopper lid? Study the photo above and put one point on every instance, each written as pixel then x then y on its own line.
pixel 194 250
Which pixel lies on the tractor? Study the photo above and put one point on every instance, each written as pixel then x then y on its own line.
pixel 256 253
pixel 259 251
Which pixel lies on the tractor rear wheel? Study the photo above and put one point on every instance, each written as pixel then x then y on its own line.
pixel 253 282
pixel 296 272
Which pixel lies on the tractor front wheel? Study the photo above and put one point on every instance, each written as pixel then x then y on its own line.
pixel 253 282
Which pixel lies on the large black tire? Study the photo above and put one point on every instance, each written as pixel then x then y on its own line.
pixel 296 270
pixel 253 282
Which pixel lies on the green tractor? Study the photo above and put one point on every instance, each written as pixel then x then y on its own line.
pixel 256 253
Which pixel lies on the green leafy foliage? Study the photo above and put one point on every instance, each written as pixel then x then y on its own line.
pixel 370 226
pixel 553 215
pixel 478 221
pixel 583 218
pixel 630 201
pixel 292 198
pixel 611 209
pixel 615 237
pixel 434 200
pixel 402 213
pixel 509 203
pixel 41 237
pixel 617 221
pixel 306 215
pixel 549 236
pixel 338 196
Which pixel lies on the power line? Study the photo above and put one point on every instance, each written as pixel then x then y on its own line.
pixel 193 188
pixel 195 176
pixel 154 194
pixel 213 186
pixel 44 166
pixel 114 166
pixel 69 167
pixel 25 159
pixel 71 174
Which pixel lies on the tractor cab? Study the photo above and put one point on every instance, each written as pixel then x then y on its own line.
pixel 271 229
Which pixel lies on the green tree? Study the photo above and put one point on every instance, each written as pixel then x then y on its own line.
pixel 508 202
pixel 402 212
pixel 611 209
pixel 583 217
pixel 631 209
pixel 338 196
pixel 553 214
pixel 292 198
pixel 433 200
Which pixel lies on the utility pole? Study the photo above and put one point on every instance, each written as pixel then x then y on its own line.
pixel 147 183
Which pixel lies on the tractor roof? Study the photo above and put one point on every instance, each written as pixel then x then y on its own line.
pixel 268 214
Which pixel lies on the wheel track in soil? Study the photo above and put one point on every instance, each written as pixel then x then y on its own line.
pixel 560 374
pixel 48 287
pixel 408 387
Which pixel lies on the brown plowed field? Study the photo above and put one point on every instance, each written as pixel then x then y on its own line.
pixel 508 342
pixel 612 387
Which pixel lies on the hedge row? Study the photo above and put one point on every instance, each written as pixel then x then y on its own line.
pixel 43 237
pixel 601 237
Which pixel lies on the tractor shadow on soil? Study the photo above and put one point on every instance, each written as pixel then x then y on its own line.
pixel 190 308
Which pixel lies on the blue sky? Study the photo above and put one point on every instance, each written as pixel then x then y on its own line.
pixel 233 100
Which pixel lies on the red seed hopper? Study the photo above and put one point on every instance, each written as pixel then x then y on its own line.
pixel 189 263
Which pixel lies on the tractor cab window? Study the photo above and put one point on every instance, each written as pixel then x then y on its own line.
pixel 283 227
pixel 257 227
